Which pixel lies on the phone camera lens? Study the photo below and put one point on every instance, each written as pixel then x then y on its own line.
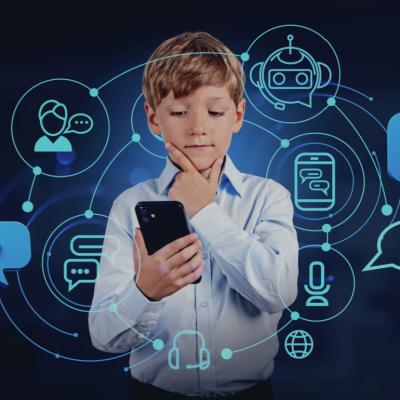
pixel 142 211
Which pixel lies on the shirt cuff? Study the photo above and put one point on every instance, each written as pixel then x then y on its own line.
pixel 210 222
pixel 136 307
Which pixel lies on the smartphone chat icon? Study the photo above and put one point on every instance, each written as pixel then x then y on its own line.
pixel 314 181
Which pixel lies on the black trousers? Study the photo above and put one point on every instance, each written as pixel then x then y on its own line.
pixel 144 391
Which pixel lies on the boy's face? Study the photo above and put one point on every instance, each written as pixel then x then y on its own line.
pixel 200 124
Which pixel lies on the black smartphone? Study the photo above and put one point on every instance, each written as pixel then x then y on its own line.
pixel 161 222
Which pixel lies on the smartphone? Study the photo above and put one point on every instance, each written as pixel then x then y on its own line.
pixel 314 181
pixel 161 222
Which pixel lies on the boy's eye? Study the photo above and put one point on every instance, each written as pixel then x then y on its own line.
pixel 182 113
pixel 216 113
pixel 178 113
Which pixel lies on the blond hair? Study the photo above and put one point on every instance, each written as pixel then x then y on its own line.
pixel 167 71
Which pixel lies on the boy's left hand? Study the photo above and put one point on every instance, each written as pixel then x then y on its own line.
pixel 190 187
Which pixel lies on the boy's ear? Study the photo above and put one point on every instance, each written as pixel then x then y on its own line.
pixel 152 119
pixel 239 116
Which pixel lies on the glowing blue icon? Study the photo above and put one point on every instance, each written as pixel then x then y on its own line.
pixel 15 247
pixel 385 256
pixel 393 147
pixel 314 181
pixel 86 269
pixel 299 344
pixel 290 75
pixel 82 270
pixel 317 290
pixel 53 119
pixel 204 353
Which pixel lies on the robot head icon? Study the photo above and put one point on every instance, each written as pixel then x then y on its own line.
pixel 290 75
pixel 204 353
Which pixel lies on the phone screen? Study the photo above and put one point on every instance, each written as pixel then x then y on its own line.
pixel 314 181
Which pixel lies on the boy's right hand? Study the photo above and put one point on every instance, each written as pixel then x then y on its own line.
pixel 169 269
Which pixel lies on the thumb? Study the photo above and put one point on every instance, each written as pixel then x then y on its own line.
pixel 139 248
pixel 215 171
pixel 140 243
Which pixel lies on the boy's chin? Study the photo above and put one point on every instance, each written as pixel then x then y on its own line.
pixel 202 164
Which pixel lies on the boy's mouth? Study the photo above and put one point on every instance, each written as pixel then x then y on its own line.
pixel 199 146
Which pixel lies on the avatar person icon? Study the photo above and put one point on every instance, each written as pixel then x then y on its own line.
pixel 54 121
pixel 53 117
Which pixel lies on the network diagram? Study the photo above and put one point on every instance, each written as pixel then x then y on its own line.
pixel 328 175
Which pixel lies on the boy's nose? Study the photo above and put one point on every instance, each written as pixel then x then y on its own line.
pixel 197 125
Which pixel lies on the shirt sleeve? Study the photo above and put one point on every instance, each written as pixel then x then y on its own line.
pixel 263 265
pixel 121 317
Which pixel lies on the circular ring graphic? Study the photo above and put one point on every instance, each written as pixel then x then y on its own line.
pixel 88 91
pixel 356 157
pixel 46 254
pixel 302 78
pixel 349 299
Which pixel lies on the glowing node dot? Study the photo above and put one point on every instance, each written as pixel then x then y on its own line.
pixel 76 334
pixel 126 369
pixel 387 210
pixel 326 247
pixel 113 308
pixel 56 355
pixel 245 57
pixel 226 354
pixel 89 214
pixel 37 171
pixel 294 315
pixel 285 143
pixel 331 101
pixel 27 206
pixel 93 92
pixel 136 138
pixel 326 228
pixel 158 344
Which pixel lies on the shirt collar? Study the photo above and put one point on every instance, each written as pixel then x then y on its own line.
pixel 229 171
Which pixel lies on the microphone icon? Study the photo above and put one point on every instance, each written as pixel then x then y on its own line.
pixel 317 290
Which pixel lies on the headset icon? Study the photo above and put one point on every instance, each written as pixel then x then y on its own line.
pixel 204 353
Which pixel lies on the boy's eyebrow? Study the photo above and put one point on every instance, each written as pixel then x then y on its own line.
pixel 170 102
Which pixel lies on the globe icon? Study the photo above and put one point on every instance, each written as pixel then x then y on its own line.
pixel 299 344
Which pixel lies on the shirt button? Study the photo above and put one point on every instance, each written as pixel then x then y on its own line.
pixel 204 304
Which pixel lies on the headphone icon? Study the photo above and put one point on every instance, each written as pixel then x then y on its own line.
pixel 204 353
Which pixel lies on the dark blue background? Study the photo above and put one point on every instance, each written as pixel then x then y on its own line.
pixel 357 355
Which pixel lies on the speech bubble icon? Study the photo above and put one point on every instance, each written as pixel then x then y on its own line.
pixel 310 173
pixel 84 270
pixel 92 245
pixel 15 247
pixel 320 185
pixel 79 123
pixel 387 255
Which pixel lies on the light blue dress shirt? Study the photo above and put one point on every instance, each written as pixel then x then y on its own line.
pixel 248 243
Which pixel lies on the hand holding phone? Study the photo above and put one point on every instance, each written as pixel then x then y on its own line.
pixel 162 226
pixel 169 269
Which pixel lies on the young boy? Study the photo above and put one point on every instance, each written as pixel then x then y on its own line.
pixel 244 243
